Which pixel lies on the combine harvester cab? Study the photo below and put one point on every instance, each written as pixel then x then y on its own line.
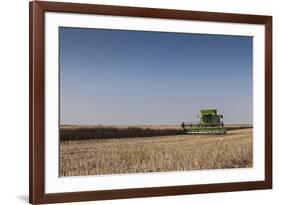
pixel 210 124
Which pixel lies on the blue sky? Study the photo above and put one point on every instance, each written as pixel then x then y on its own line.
pixel 135 77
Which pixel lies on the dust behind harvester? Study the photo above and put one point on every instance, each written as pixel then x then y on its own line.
pixel 210 123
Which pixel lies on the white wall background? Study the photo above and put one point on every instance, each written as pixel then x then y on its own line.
pixel 14 100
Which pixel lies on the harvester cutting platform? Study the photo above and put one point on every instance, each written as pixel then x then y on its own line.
pixel 210 123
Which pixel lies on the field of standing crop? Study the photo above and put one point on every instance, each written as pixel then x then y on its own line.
pixel 156 154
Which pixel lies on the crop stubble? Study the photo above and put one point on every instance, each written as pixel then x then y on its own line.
pixel 156 154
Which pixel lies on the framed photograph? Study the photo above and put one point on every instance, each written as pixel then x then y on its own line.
pixel 139 102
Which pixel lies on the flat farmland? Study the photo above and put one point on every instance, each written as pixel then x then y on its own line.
pixel 178 152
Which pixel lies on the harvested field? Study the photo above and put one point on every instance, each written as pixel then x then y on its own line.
pixel 156 154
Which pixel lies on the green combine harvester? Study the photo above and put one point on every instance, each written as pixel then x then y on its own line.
pixel 210 124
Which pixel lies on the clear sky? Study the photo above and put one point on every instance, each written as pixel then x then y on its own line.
pixel 116 77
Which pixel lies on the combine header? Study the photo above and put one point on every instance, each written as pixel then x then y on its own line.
pixel 210 124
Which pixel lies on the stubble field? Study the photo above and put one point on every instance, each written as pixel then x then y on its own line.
pixel 156 154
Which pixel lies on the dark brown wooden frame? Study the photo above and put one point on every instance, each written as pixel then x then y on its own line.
pixel 36 106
